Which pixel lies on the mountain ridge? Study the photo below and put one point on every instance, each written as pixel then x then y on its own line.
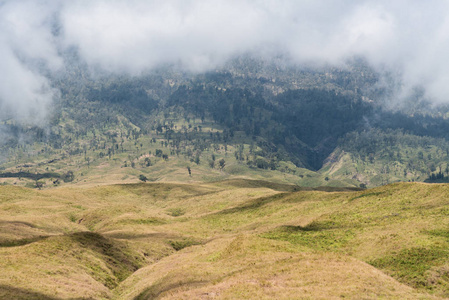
pixel 268 121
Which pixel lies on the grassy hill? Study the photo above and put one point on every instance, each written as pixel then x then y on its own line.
pixel 228 239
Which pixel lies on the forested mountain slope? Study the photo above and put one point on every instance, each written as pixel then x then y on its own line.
pixel 313 126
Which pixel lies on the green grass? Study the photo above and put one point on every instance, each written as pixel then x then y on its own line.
pixel 314 237
pixel 183 243
pixel 176 212
pixel 411 265
pixel 146 221
pixel 21 242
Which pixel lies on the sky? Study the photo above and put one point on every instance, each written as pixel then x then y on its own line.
pixel 410 38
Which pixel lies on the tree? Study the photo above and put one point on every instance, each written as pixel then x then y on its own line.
pixel 39 184
pixel 212 164
pixel 68 177
pixel 420 155
pixel 222 163
pixel 143 178
pixel 262 163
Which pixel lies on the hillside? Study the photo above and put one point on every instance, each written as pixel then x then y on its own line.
pixel 228 239
pixel 286 123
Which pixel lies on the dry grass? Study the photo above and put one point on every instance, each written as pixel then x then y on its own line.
pixel 247 267
pixel 224 240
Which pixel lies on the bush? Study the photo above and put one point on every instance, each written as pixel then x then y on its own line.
pixel 69 176
pixel 143 178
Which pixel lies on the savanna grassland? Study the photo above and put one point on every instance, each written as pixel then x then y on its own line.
pixel 224 240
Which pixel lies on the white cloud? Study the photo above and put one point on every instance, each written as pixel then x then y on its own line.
pixel 136 35
pixel 24 94
pixel 27 47
pixel 411 37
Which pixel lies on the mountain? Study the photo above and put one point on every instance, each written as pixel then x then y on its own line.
pixel 265 119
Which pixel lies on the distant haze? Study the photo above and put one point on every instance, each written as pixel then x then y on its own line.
pixel 410 38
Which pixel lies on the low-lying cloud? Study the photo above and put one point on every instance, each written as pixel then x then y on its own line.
pixel 27 51
pixel 409 37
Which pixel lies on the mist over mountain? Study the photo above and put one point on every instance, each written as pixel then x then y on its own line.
pixel 407 40
pixel 271 116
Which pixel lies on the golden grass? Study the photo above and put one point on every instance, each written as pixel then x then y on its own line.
pixel 224 240
pixel 247 267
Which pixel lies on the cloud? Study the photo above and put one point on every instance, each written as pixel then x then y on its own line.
pixel 410 38
pixel 134 36
pixel 27 51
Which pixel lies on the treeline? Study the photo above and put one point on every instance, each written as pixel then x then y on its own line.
pixel 394 152
pixel 67 177
pixel 372 141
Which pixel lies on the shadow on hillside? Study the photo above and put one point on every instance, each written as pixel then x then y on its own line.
pixel 252 205
pixel 313 226
pixel 17 223
pixel 248 183
pixel 282 187
pixel 157 290
pixel 331 189
pixel 22 242
pixel 116 253
pixel 9 292
pixel 259 202
pixel 22 227
pixel 136 236
pixel 162 189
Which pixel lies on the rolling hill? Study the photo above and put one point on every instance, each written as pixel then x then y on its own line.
pixel 221 240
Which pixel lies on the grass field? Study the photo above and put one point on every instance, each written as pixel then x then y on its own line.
pixel 224 240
